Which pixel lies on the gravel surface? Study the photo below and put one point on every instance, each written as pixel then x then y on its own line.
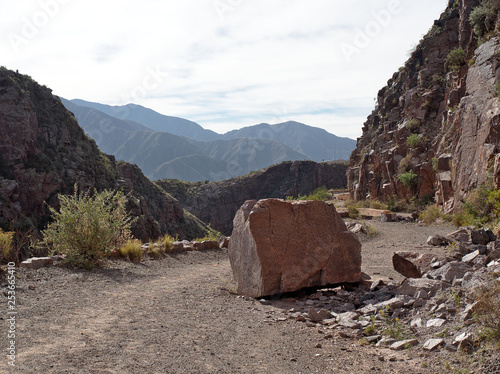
pixel 178 315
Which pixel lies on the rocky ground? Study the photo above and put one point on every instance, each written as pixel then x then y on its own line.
pixel 180 315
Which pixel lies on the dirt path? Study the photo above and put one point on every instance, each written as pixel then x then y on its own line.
pixel 174 315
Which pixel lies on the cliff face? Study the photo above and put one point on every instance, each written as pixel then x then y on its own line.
pixel 44 152
pixel 217 202
pixel 435 130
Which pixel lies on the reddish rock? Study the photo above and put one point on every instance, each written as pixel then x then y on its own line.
pixel 412 264
pixel 282 246
pixel 36 263
pixel 210 244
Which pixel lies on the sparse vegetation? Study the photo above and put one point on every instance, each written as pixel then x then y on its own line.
pixel 413 140
pixel 487 309
pixel 412 124
pixel 319 194
pixel 455 59
pixel 408 179
pixel 430 214
pixel 88 227
pixel 131 249
pixel 5 245
pixel 168 242
pixel 484 19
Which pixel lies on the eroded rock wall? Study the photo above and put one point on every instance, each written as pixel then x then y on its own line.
pixel 450 114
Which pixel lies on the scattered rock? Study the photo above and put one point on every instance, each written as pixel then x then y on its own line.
pixel 482 236
pixel 36 263
pixel 403 344
pixel 411 286
pixel 450 271
pixel 412 264
pixel 435 322
pixel 438 240
pixel 316 316
pixel 470 257
pixel 264 263
pixel 433 344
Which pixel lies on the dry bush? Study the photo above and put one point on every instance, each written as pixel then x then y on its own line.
pixel 487 309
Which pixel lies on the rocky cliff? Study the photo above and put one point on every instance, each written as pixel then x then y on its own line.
pixel 217 202
pixel 435 129
pixel 44 152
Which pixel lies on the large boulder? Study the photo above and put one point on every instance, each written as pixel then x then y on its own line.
pixel 282 246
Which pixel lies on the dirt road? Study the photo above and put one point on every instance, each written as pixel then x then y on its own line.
pixel 176 315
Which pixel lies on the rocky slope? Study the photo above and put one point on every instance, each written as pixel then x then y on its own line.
pixel 434 130
pixel 217 203
pixel 44 152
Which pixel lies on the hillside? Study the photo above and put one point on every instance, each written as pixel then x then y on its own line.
pixel 163 155
pixel 434 131
pixel 44 152
pixel 154 120
pixel 216 203
pixel 318 144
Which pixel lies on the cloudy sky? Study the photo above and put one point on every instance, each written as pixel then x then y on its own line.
pixel 225 64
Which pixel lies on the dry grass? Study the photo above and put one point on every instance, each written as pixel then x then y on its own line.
pixel 132 250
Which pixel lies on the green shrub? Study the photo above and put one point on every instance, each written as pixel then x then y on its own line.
pixel 435 163
pixel 352 212
pixel 5 245
pixel 378 205
pixel 430 214
pixel 455 59
pixel 319 194
pixel 408 179
pixel 484 18
pixel 88 227
pixel 132 249
pixel 413 140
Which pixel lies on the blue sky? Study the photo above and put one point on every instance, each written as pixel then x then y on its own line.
pixel 225 64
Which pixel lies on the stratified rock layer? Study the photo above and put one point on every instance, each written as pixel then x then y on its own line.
pixel 281 246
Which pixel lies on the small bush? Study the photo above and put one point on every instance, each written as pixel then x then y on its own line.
pixel 412 124
pixel 132 250
pixel 5 245
pixel 413 140
pixel 455 59
pixel 408 179
pixel 352 212
pixel 484 18
pixel 435 164
pixel 319 194
pixel 88 227
pixel 487 310
pixel 430 214
pixel 168 242
pixel 378 205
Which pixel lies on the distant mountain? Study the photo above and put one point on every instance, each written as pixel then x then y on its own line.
pixel 154 120
pixel 318 144
pixel 315 143
pixel 163 155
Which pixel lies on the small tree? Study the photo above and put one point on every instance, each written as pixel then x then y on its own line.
pixel 455 59
pixel 409 179
pixel 413 140
pixel 88 227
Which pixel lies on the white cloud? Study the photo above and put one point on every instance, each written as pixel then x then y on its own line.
pixel 250 62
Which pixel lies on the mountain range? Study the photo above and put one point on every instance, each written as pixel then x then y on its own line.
pixel 176 148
